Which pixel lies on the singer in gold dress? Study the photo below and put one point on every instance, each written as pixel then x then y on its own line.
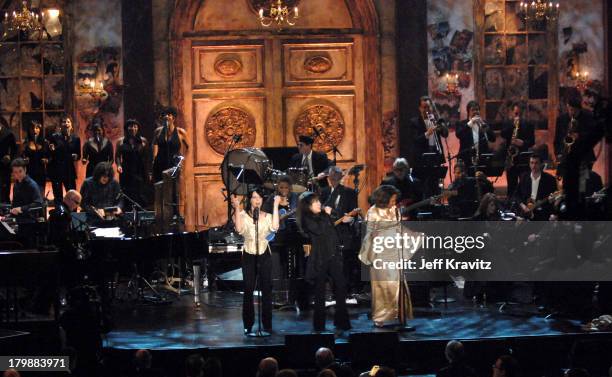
pixel 382 221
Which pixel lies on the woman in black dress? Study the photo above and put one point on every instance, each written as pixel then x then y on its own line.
pixel 96 149
pixel 169 141
pixel 325 260
pixel 35 151
pixel 131 161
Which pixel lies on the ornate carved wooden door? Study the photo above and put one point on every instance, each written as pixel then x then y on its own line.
pixel 268 89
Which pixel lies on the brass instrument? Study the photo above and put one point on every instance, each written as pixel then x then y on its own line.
pixel 513 150
pixel 438 122
pixel 569 140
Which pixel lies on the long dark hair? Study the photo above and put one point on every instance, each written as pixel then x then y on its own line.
pixel 487 199
pixel 383 194
pixel 303 209
pixel 250 192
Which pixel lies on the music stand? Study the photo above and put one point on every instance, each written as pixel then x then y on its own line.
pixel 431 162
pixel 488 165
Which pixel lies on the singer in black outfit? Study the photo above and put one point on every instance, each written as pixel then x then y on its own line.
pixel 35 152
pixel 64 151
pixel 131 161
pixel 8 151
pixel 97 148
pixel 428 150
pixel 101 191
pixel 256 257
pixel 169 142
pixel 474 136
pixel 525 139
pixel 325 260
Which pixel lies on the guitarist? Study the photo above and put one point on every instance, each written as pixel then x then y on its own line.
pixel 342 200
pixel 535 186
pixel 410 187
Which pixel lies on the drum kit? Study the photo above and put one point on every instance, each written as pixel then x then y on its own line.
pixel 251 166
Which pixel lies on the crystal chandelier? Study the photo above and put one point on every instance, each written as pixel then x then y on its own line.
pixel 539 11
pixel 278 13
pixel 22 20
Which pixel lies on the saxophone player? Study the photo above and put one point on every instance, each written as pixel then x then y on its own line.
pixel 576 135
pixel 519 136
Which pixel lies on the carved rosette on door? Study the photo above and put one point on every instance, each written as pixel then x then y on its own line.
pixel 223 124
pixel 326 120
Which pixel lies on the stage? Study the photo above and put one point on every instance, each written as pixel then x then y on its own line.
pixel 215 329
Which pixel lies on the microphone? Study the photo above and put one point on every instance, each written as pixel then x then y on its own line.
pixel 256 214
pixel 316 131
pixel 119 195
pixel 237 138
pixel 397 214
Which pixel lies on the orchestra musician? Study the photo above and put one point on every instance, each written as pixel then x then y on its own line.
pixel 131 161
pixel 428 134
pixel 97 148
pixel 312 161
pixel 342 201
pixel 101 191
pixel 488 209
pixel 64 151
pixel 256 257
pixel 325 260
pixel 519 136
pixel 466 201
pixel 169 142
pixel 536 186
pixel 35 152
pixel 383 220
pixel 26 193
pixel 474 137
pixel 576 135
pixel 8 151
pixel 408 185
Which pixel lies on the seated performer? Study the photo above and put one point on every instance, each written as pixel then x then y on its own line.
pixel 519 137
pixel 26 194
pixel 314 162
pixel 101 191
pixel 256 257
pixel 466 201
pixel 325 260
pixel 427 142
pixel 474 137
pixel 533 187
pixel 62 235
pixel 489 208
pixel 342 200
pixel 409 186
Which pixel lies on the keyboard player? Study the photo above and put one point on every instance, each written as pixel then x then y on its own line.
pixel 101 191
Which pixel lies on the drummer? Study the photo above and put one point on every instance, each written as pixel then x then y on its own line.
pixel 315 163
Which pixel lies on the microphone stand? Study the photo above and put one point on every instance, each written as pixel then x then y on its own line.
pixel 230 223
pixel 135 208
pixel 259 333
pixel 403 288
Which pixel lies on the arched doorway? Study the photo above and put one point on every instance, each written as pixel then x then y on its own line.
pixel 229 72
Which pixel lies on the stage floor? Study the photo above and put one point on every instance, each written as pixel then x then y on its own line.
pixel 218 324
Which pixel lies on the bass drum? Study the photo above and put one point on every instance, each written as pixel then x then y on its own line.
pixel 243 167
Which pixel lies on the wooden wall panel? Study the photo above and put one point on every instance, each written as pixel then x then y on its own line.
pixel 217 66
pixel 318 63
pixel 210 208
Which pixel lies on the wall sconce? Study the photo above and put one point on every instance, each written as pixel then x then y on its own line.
pixel 452 83
pixel 581 79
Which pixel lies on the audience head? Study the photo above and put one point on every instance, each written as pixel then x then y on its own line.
pixel 454 351
pixel 326 373
pixel 324 357
pixel 143 359
pixel 268 367
pixel 385 196
pixel 212 367
pixel 194 365
pixel 505 366
pixel 286 373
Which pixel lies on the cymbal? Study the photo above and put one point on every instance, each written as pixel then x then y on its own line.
pixel 298 189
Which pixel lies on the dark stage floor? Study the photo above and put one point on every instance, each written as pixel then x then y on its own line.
pixel 218 324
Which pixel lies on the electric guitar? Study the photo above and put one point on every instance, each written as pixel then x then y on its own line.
pixel 283 214
pixel 532 205
pixel 425 202
pixel 355 212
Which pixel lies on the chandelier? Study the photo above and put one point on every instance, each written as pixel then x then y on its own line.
pixel 22 20
pixel 279 14
pixel 539 11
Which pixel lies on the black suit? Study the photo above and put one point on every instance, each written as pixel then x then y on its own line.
pixel 320 162
pixel 410 187
pixel 466 143
pixel 525 133
pixel 422 166
pixel 578 158
pixel 548 185
pixel 61 163
pixel 8 147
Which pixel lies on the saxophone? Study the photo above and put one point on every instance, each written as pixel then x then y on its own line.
pixel 569 140
pixel 513 150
